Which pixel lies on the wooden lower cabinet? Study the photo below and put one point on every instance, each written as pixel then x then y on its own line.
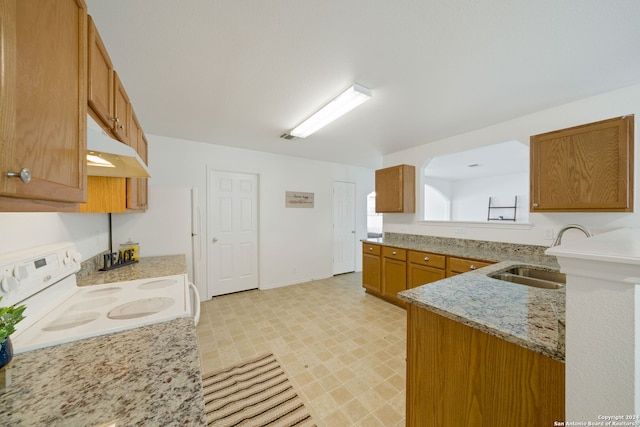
pixel 424 267
pixel 463 265
pixel 460 376
pixel 394 273
pixel 371 267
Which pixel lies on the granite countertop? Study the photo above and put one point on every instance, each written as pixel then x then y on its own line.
pixel 145 268
pixel 476 249
pixel 143 376
pixel 530 317
pixel 524 315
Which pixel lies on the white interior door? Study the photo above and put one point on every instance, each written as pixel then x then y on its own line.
pixel 232 232
pixel 344 227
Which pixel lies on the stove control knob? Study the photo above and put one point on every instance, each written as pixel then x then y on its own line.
pixel 8 284
pixel 20 272
pixel 72 256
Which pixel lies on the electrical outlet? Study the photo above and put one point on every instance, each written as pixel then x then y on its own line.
pixel 548 234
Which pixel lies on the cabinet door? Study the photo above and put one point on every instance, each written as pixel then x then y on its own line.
pixel 137 187
pixel 395 189
pixel 394 273
pixel 100 78
pixel 105 195
pixel 394 278
pixel 586 168
pixel 121 111
pixel 371 272
pixel 43 100
pixel 460 376
pixel 143 190
pixel 418 275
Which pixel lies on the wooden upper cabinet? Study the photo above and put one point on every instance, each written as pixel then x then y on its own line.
pixel 43 104
pixel 586 168
pixel 100 79
pixel 137 187
pixel 396 189
pixel 122 111
pixel 105 195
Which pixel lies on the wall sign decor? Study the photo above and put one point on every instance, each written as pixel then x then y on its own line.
pixel 296 199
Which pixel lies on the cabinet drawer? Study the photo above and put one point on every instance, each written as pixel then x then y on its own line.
pixel 462 265
pixel 426 258
pixel 370 249
pixel 395 253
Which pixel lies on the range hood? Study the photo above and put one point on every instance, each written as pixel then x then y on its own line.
pixel 108 157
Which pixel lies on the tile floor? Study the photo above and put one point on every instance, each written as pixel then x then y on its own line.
pixel 344 350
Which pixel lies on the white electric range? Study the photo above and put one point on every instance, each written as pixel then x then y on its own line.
pixel 58 311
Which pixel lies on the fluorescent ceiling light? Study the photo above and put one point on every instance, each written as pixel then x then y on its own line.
pixel 343 103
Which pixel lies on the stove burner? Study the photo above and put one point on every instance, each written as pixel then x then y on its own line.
pixel 93 303
pixel 140 308
pixel 71 321
pixel 101 292
pixel 157 284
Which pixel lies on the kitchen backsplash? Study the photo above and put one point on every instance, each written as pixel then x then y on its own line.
pixel 483 246
pixel 91 265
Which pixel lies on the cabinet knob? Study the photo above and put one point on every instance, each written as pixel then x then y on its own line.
pixel 394 253
pixel 472 267
pixel 426 258
pixel 24 175
pixel 535 205
pixel 370 248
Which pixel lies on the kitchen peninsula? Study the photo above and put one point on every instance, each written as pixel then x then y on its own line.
pixel 144 376
pixel 483 351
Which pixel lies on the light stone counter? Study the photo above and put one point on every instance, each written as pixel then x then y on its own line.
pixel 524 315
pixel 466 248
pixel 148 376
pixel 146 267
pixel 530 317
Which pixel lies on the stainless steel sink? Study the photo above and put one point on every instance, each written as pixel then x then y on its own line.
pixel 552 276
pixel 533 277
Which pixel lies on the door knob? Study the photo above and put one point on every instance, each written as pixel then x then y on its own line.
pixel 214 240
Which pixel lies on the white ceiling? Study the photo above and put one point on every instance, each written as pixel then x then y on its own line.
pixel 504 158
pixel 241 72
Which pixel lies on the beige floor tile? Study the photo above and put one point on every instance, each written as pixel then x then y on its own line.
pixel 343 350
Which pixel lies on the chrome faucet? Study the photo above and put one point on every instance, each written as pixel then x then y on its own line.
pixel 568 227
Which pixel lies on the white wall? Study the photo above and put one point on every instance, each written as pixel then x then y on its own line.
pixel 604 106
pixel 295 244
pixel 470 197
pixel 90 232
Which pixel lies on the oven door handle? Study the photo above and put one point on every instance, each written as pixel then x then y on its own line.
pixel 196 316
